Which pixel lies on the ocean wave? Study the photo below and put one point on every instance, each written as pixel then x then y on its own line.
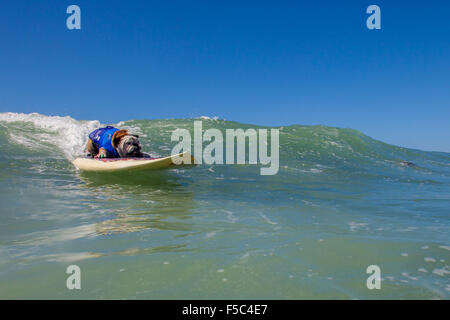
pixel 65 133
pixel 313 149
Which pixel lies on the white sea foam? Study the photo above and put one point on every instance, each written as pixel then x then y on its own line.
pixel 67 134
pixel 208 118
pixel 354 226
pixel 406 275
pixel 441 271
pixel 267 219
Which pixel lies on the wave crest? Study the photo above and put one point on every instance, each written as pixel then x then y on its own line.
pixel 67 134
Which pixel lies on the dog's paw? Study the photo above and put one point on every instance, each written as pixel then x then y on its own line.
pixel 102 154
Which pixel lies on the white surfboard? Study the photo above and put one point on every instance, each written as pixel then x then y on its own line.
pixel 125 164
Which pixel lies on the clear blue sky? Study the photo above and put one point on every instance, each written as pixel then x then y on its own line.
pixel 267 63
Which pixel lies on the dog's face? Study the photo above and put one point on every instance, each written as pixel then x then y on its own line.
pixel 129 146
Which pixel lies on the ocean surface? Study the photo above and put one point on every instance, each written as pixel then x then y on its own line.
pixel 341 202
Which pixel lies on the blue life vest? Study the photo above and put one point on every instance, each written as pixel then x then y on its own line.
pixel 102 139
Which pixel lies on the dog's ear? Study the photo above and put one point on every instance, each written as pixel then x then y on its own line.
pixel 117 136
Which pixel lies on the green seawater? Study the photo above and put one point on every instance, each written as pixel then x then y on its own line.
pixel 340 202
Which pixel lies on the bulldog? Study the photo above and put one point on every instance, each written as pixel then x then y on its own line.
pixel 111 142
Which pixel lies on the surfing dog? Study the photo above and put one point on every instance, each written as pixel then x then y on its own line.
pixel 111 142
